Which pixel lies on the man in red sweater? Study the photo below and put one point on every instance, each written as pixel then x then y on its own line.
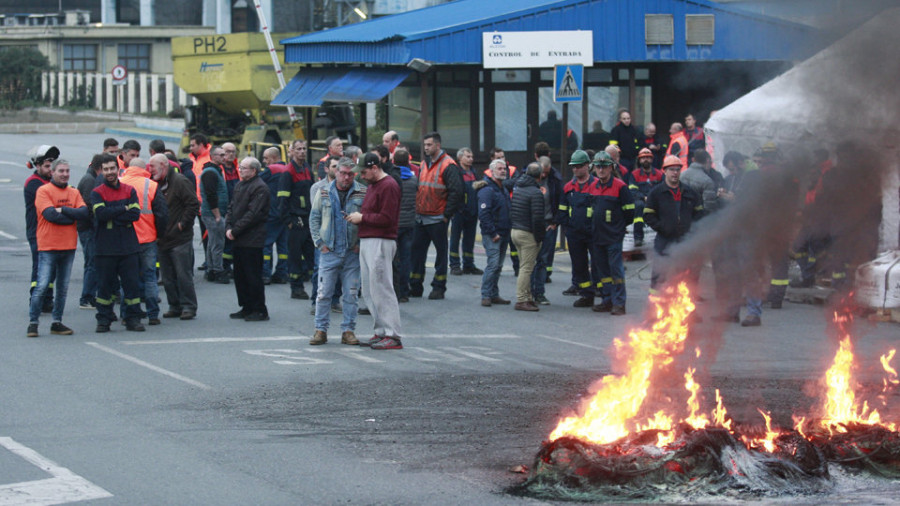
pixel 377 221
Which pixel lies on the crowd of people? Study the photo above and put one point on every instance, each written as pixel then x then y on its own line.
pixel 361 224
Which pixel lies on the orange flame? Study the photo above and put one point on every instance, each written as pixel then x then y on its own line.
pixel 697 421
pixel 841 407
pixel 607 415
pixel 719 414
pixel 766 442
pixel 891 379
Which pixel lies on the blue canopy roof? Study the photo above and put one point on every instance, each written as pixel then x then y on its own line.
pixel 450 33
pixel 311 87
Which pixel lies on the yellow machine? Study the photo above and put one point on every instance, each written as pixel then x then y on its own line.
pixel 233 78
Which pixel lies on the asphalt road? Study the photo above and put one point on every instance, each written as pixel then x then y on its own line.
pixel 214 411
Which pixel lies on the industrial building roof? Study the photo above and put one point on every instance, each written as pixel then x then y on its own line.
pixel 450 33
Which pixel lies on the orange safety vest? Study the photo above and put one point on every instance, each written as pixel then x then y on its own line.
pixel 431 197
pixel 145 188
pixel 197 168
pixel 682 142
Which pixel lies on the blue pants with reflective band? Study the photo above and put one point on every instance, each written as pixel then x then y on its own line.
pixel 276 239
pixel 464 226
pixel 544 265
pixel 110 271
pixel 612 273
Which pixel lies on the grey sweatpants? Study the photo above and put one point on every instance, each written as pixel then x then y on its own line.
pixel 376 271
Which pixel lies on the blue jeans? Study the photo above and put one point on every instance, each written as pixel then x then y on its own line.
pixel 149 289
pixel 52 266
pixel 496 252
pixel 336 297
pixel 34 272
pixel 403 261
pixel 461 225
pixel 544 265
pixel 612 273
pixel 333 267
pixel 88 246
pixel 276 239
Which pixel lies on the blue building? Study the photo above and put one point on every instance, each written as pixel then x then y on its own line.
pixel 661 59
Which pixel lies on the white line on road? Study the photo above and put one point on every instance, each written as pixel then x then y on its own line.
pixel 574 343
pixel 472 354
pixel 208 340
pixel 64 487
pixel 358 355
pixel 7 235
pixel 150 366
pixel 218 340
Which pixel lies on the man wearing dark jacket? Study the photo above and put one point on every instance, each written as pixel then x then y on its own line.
pixel 245 224
pixel 439 196
pixel 294 206
pixel 42 158
pixel 276 232
pixel 465 220
pixel 116 208
pixel 175 243
pixel 86 230
pixel 409 183
pixel 575 214
pixel 214 202
pixel 551 189
pixel 526 215
pixel 613 210
pixel 627 137
pixel 493 213
pixel 670 210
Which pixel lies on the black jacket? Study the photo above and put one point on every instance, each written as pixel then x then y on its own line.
pixel 85 187
pixel 628 138
pixel 181 199
pixel 670 211
pixel 248 212
pixel 527 208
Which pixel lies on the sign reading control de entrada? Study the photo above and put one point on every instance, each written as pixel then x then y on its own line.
pixel 520 50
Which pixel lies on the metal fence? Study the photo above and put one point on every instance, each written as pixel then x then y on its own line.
pixel 140 93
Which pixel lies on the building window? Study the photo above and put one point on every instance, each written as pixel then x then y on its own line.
pixel 135 57
pixel 659 29
pixel 80 57
pixel 700 29
pixel 128 11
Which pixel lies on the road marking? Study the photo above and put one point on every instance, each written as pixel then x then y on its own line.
pixel 439 355
pixel 463 336
pixel 574 343
pixel 472 354
pixel 288 356
pixel 213 340
pixel 150 366
pixel 205 340
pixel 8 236
pixel 357 354
pixel 64 487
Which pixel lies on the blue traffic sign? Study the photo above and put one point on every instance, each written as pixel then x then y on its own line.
pixel 567 83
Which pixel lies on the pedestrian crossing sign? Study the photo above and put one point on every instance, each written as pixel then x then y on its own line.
pixel 567 83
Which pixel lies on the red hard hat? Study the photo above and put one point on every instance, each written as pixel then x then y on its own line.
pixel 645 152
pixel 670 161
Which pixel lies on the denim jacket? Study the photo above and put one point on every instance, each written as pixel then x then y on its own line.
pixel 326 210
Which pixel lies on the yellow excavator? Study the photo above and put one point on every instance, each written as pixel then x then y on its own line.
pixel 234 79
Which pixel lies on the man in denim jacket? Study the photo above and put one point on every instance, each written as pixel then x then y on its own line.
pixel 338 245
